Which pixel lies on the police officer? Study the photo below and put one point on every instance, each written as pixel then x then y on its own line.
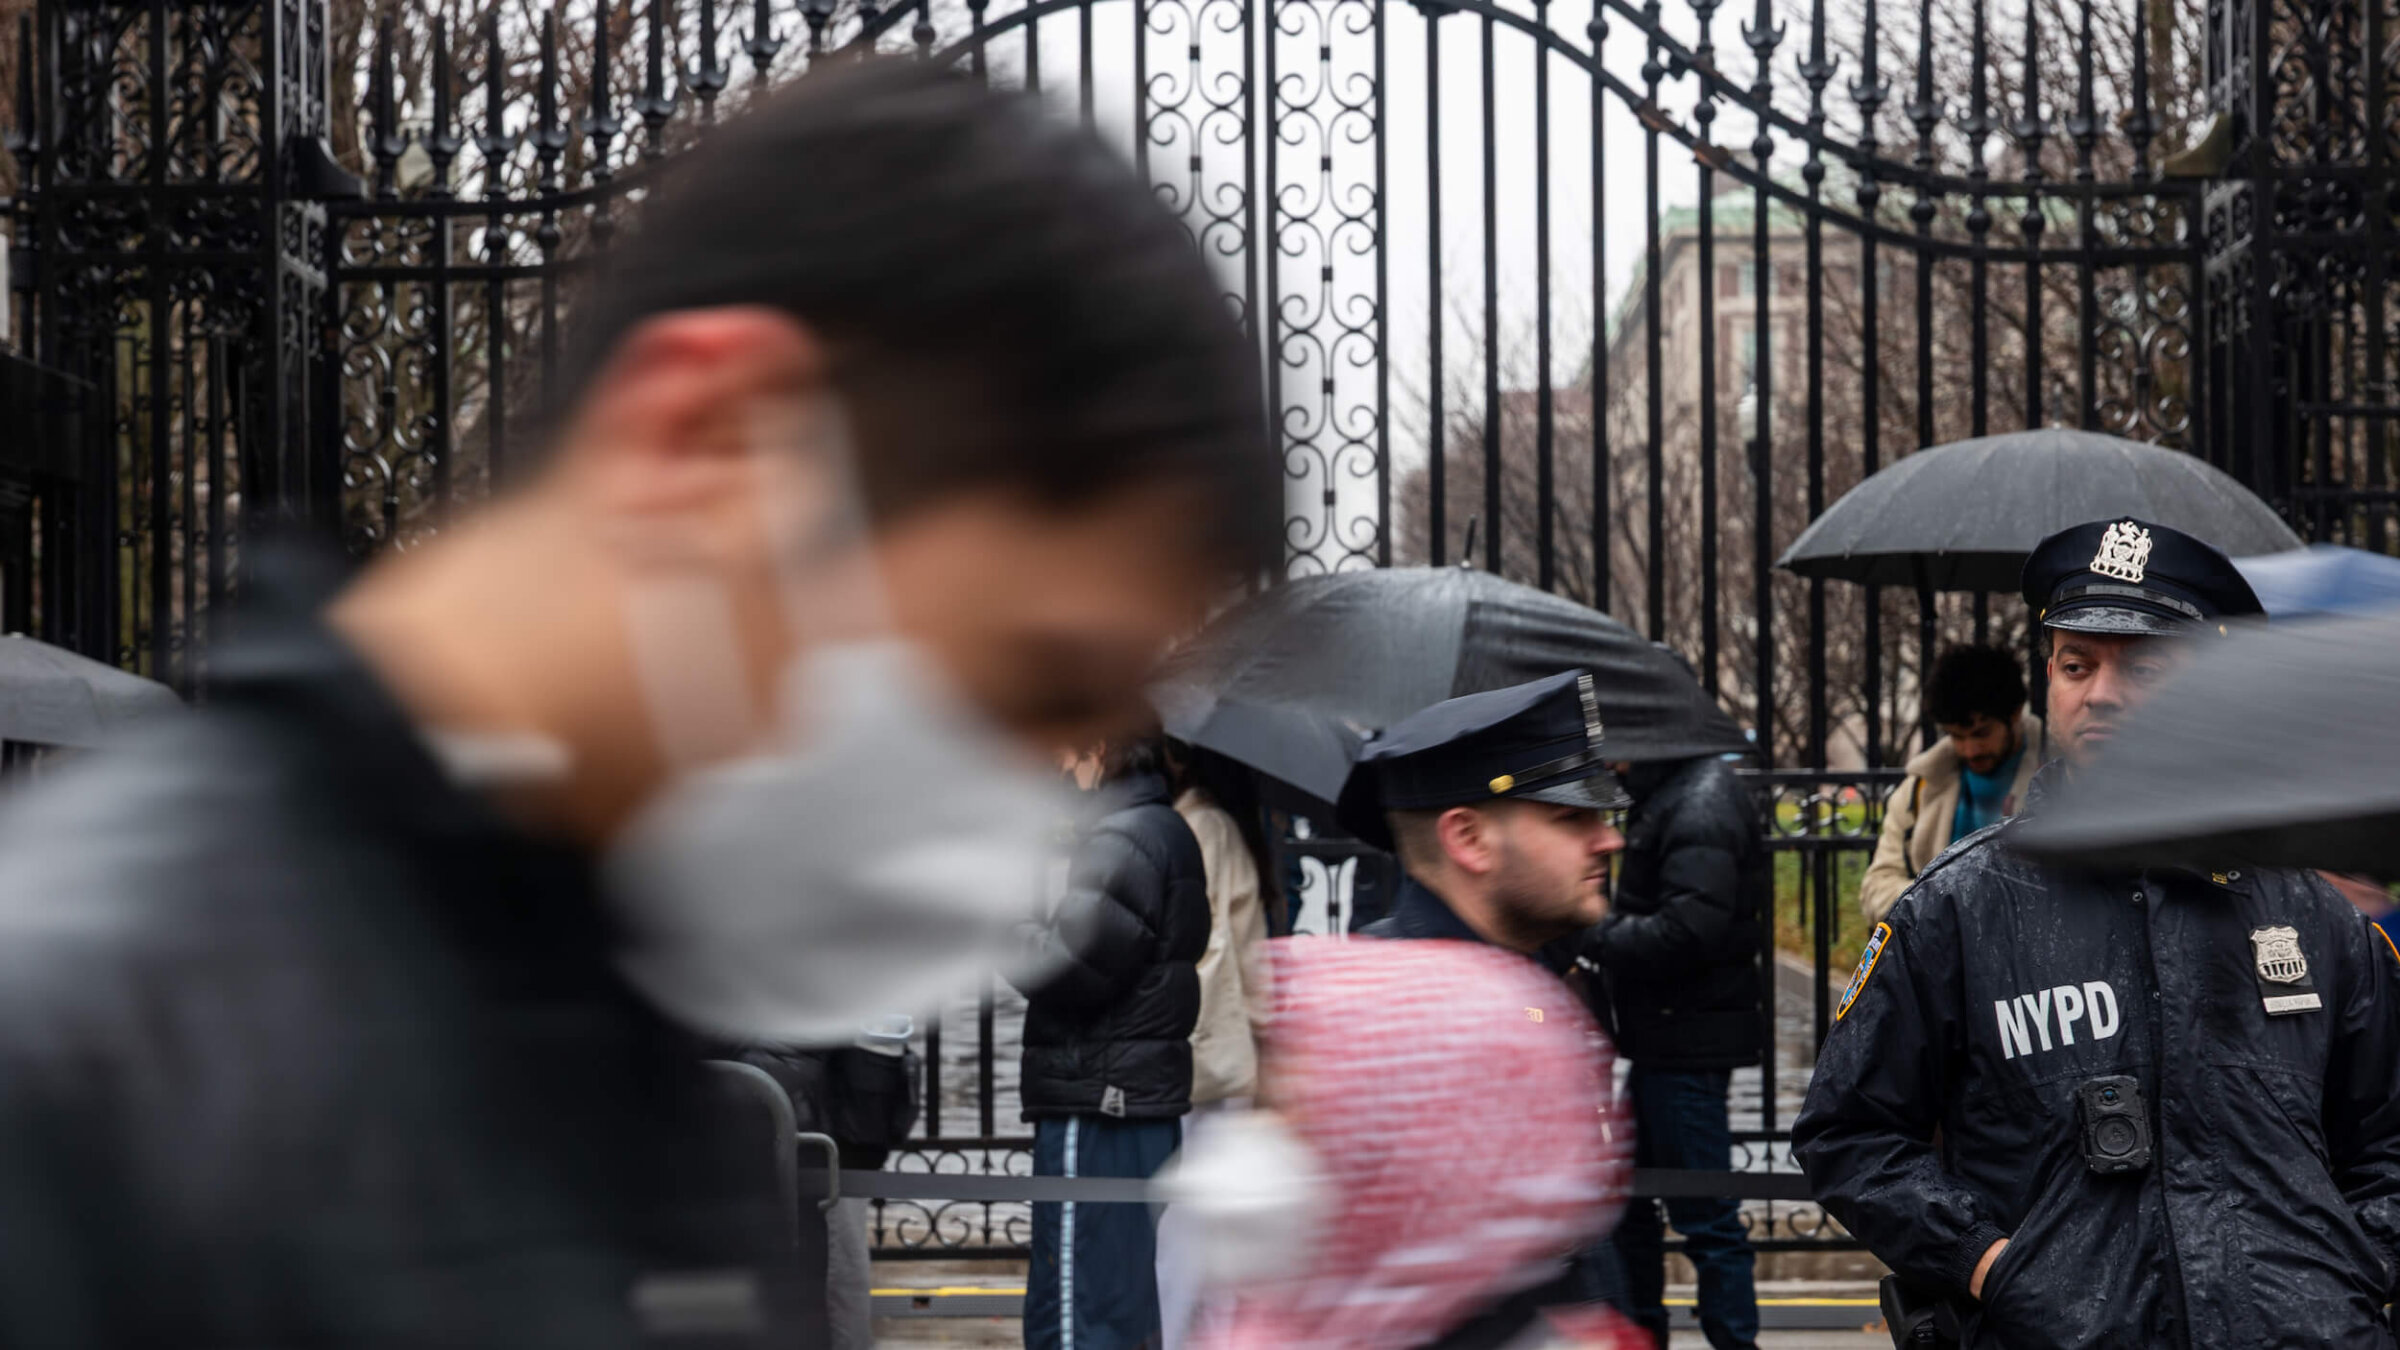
pixel 1497 805
pixel 2120 1109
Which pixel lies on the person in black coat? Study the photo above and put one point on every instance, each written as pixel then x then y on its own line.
pixel 1680 954
pixel 1114 992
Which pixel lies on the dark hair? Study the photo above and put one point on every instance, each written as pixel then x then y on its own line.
pixel 1972 682
pixel 1007 304
pixel 1138 755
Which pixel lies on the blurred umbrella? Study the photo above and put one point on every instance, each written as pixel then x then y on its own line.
pixel 1306 751
pixel 51 696
pixel 2323 579
pixel 1357 651
pixel 1962 517
pixel 2277 747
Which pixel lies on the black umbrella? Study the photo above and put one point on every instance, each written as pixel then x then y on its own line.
pixel 1300 749
pixel 2277 747
pixel 1361 650
pixel 51 696
pixel 1962 517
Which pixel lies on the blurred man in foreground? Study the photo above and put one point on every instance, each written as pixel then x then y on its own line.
pixel 913 428
pixel 2075 1108
pixel 1975 775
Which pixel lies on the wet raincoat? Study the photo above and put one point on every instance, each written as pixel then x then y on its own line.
pixel 2257 1011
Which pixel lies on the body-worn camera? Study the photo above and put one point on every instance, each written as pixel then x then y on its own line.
pixel 2116 1124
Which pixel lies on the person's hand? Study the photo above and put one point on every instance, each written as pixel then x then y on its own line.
pixel 1984 1267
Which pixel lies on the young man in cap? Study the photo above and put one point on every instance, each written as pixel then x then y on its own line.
pixel 1497 805
pixel 2102 1109
pixel 1500 806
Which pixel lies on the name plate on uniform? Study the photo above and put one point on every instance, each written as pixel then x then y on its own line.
pixel 2292 1003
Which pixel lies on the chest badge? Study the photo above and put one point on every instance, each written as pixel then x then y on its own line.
pixel 2283 983
pixel 2280 959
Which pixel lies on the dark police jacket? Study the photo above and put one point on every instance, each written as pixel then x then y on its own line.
pixel 1419 914
pixel 302 1045
pixel 2270 1213
pixel 1108 1031
pixel 1680 943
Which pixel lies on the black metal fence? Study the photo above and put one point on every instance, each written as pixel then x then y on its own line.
pixel 1609 296
pixel 1822 828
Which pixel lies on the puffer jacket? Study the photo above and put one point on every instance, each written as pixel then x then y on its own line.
pixel 1680 945
pixel 1918 816
pixel 2257 1011
pixel 1108 1026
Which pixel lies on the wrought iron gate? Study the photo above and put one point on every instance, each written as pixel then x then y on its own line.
pixel 1609 295
pixel 1577 289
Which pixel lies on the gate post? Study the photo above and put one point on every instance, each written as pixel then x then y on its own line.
pixel 295 426
pixel 178 145
pixel 2298 225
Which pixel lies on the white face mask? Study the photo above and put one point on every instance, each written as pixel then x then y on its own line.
pixel 876 856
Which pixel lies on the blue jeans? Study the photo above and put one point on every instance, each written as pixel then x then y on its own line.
pixel 1093 1281
pixel 1679 1121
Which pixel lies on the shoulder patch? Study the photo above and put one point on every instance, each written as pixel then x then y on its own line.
pixel 1866 967
pixel 2386 935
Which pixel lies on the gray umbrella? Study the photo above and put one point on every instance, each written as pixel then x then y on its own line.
pixel 1962 517
pixel 51 696
pixel 2277 747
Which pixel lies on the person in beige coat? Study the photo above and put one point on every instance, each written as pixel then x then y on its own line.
pixel 1233 987
pixel 1974 776
pixel 1234 1003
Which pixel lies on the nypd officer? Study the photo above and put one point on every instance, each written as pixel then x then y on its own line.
pixel 2114 1108
pixel 1497 805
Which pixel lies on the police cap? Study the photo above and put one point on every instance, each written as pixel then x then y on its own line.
pixel 2133 579
pixel 1537 742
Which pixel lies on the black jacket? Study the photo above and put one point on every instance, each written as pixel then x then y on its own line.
pixel 1418 914
pixel 1680 945
pixel 2270 1213
pixel 1108 1031
pixel 300 1045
